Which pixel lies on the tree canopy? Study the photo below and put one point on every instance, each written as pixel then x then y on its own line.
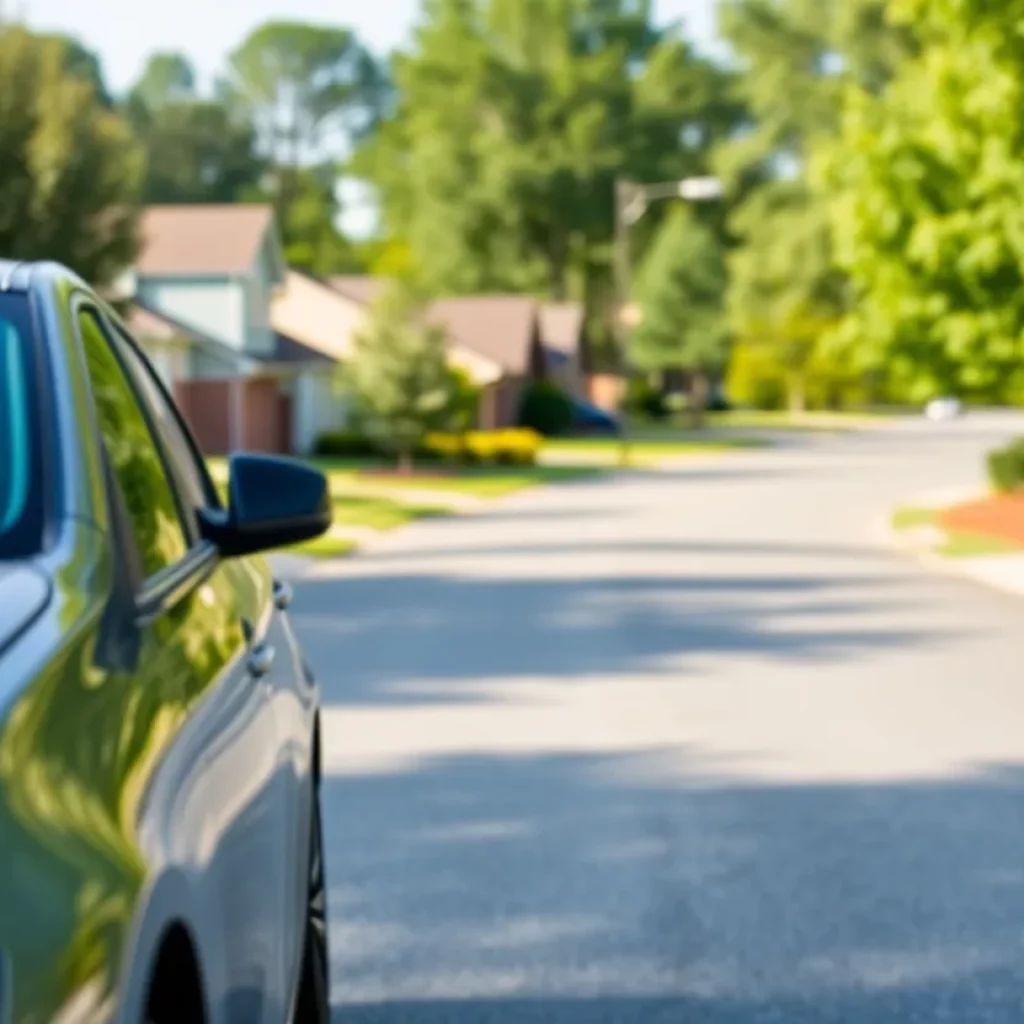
pixel 681 295
pixel 70 169
pixel 929 185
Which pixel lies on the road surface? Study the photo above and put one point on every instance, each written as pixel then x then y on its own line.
pixel 695 746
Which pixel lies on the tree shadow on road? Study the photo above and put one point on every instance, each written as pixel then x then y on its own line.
pixel 659 887
pixel 368 635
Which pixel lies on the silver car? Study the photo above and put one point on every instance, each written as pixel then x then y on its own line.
pixel 160 848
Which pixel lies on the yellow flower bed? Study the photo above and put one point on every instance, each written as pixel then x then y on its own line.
pixel 517 447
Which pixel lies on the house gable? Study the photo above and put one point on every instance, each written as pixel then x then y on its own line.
pixel 212 268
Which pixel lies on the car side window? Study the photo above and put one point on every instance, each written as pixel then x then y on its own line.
pixel 132 452
pixel 193 483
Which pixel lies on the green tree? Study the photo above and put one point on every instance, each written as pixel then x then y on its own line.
pixel 166 79
pixel 510 125
pixel 70 168
pixel 309 91
pixel 83 63
pixel 786 289
pixel 198 150
pixel 399 372
pixel 929 178
pixel 681 295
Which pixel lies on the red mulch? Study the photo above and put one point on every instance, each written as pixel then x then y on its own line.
pixel 1000 516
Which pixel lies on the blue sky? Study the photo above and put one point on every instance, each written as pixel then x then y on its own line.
pixel 126 31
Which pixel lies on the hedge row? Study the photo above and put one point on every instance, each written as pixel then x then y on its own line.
pixel 476 447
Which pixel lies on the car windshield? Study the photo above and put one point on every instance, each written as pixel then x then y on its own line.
pixel 20 483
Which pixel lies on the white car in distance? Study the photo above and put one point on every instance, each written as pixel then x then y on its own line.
pixel 943 410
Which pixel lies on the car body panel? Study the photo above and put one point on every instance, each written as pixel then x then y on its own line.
pixel 174 792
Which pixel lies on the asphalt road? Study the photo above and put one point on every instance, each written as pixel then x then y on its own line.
pixel 695 746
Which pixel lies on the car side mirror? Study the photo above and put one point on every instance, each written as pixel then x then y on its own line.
pixel 272 502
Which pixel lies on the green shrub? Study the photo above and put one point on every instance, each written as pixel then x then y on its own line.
pixel 645 400
pixel 1006 467
pixel 346 444
pixel 546 408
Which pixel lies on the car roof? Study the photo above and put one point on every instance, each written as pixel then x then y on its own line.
pixel 22 275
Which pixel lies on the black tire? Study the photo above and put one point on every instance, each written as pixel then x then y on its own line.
pixel 314 1002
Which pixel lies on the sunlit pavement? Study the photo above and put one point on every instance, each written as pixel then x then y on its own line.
pixel 687 747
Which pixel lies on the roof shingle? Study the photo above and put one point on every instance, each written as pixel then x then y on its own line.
pixel 203 238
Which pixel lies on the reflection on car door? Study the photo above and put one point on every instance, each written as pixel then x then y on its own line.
pixel 198 724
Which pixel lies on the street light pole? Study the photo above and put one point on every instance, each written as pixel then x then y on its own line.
pixel 631 202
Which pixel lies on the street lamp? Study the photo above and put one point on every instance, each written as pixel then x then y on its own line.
pixel 631 203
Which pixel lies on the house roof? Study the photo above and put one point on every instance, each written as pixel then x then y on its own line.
pixel 561 327
pixel 312 314
pixel 289 351
pixel 207 238
pixel 499 327
pixel 361 288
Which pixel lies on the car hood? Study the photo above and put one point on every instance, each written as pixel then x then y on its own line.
pixel 24 593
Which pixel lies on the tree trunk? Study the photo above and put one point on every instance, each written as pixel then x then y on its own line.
pixel 405 460
pixel 699 388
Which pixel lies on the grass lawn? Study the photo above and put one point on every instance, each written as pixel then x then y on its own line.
pixel 823 421
pixel 481 482
pixel 324 547
pixel 958 543
pixel 976 545
pixel 661 444
pixel 909 517
pixel 380 513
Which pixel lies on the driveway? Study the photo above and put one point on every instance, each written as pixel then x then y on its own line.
pixel 691 746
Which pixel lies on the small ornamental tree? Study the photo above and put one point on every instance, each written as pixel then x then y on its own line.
pixel 400 374
pixel 681 294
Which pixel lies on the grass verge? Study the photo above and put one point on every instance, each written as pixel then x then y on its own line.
pixel 976 545
pixel 326 546
pixel 909 517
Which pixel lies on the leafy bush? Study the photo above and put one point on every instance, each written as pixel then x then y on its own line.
pixel 546 408
pixel 346 444
pixel 518 447
pixel 755 380
pixel 1006 467
pixel 645 400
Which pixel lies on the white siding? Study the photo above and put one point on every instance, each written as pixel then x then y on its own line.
pixel 317 407
pixel 214 306
pixel 259 289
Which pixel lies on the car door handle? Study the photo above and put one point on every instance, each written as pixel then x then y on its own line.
pixel 261 661
pixel 283 595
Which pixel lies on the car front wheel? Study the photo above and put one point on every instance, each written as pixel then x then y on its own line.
pixel 314 1001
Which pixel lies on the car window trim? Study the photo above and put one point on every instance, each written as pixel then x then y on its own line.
pixel 83 301
pixel 86 303
pixel 211 494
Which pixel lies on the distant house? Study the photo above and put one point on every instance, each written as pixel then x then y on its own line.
pixel 562 335
pixel 524 339
pixel 202 294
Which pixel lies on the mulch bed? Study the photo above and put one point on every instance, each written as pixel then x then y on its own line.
pixel 1000 516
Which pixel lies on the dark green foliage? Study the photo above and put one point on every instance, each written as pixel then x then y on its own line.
pixel 345 444
pixel 546 408
pixel 645 399
pixel 1006 468
pixel 681 295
